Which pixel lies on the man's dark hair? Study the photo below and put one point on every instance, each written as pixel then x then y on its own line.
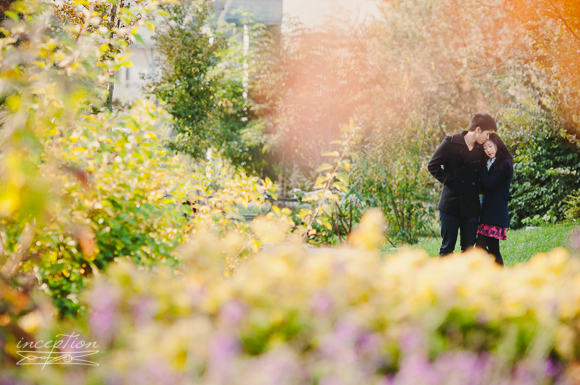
pixel 484 121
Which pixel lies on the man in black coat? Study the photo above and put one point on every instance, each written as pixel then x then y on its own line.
pixel 456 164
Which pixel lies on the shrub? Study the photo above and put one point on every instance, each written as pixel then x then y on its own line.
pixel 546 166
pixel 82 187
pixel 572 203
pixel 391 173
pixel 200 81
pixel 294 314
pixel 113 190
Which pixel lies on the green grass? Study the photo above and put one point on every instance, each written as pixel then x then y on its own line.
pixel 521 244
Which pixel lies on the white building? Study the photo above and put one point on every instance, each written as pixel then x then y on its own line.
pixel 130 79
pixel 129 84
pixel 268 12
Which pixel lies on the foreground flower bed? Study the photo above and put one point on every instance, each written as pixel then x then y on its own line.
pixel 296 315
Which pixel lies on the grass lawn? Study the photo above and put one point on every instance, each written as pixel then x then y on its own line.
pixel 520 245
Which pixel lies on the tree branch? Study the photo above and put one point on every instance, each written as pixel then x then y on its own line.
pixel 24 243
pixel 559 15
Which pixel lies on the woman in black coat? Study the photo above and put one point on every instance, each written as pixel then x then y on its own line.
pixel 495 179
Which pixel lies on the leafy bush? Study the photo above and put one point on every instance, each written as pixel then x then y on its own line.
pixel 82 188
pixel 113 191
pixel 295 315
pixel 546 166
pixel 573 206
pixel 201 84
pixel 391 174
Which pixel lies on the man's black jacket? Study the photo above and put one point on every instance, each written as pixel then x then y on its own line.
pixel 457 168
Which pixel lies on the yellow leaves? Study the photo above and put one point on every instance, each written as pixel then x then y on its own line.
pixel 564 343
pixel 103 48
pixel 370 232
pixel 12 15
pixel 553 262
pixel 331 154
pixel 311 198
pixel 324 167
pixel 9 200
pixel 13 178
pixel 270 230
pixel 13 102
pixel 320 182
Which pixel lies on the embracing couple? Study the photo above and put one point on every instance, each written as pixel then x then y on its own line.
pixel 468 164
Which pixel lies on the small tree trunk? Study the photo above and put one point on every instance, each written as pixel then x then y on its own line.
pixel 116 22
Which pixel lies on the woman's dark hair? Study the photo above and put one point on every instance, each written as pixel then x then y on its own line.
pixel 502 153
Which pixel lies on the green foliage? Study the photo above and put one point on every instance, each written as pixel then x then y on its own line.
pixel 201 83
pixel 546 166
pixel 114 198
pixel 391 174
pixel 572 203
pixel 185 84
pixel 320 212
pixel 82 188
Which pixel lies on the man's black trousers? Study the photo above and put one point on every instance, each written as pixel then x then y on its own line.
pixel 450 226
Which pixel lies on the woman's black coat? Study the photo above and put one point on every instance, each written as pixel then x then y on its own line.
pixel 495 185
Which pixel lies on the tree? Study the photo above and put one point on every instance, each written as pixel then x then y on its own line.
pixel 114 20
pixel 554 26
pixel 306 88
pixel 200 83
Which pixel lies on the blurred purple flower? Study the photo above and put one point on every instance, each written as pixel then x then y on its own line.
pixel 113 379
pixel 416 370
pixel 413 342
pixel 155 372
pixel 463 367
pixel 104 306
pixel 386 381
pixel 321 303
pixel 553 369
pixel 197 295
pixel 76 377
pixel 330 380
pixel 346 330
pixel 368 343
pixel 11 381
pixel 223 350
pixel 144 309
pixel 72 342
pixel 339 267
pixel 224 347
pixel 232 312
pixel 524 375
pixel 280 366
pixel 339 344
pixel 368 347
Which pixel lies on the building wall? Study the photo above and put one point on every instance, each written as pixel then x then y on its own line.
pixel 130 84
pixel 268 12
pixel 129 79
